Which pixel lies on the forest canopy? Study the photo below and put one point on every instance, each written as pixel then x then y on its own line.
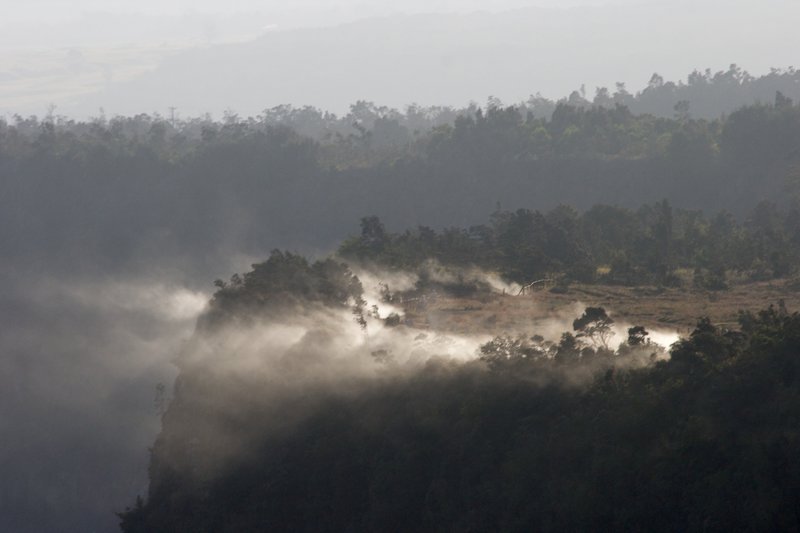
pixel 122 187
pixel 655 244
pixel 530 435
pixel 330 401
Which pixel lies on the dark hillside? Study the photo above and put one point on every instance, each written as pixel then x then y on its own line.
pixel 702 441
pixel 118 194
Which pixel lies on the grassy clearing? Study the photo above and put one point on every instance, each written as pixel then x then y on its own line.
pixel 653 307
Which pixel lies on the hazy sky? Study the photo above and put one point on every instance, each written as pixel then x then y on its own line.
pixel 146 56
pixel 72 22
pixel 55 23
pixel 49 10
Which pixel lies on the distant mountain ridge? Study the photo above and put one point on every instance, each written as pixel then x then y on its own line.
pixel 454 59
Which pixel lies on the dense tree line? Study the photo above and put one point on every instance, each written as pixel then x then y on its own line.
pixel 531 436
pixel 603 244
pixel 577 433
pixel 704 94
pixel 125 189
pixel 283 280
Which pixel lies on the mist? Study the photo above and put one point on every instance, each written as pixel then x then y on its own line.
pixel 258 375
pixel 90 361
pixel 256 378
pixel 166 157
pixel 81 362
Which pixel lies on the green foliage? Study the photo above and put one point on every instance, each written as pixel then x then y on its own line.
pixel 130 186
pixel 514 353
pixel 605 244
pixel 713 280
pixel 587 353
pixel 280 283
pixel 594 324
pixel 704 441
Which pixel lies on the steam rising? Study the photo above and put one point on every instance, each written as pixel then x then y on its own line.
pixel 243 384
pixel 82 408
pixel 323 346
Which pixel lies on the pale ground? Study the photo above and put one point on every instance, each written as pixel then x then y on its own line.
pixel 669 309
pixel 32 79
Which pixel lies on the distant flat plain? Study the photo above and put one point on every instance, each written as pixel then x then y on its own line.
pixel 30 77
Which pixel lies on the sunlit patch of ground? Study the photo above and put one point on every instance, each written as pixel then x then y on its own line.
pixel 676 309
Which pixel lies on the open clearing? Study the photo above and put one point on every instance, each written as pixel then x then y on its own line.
pixel 675 309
